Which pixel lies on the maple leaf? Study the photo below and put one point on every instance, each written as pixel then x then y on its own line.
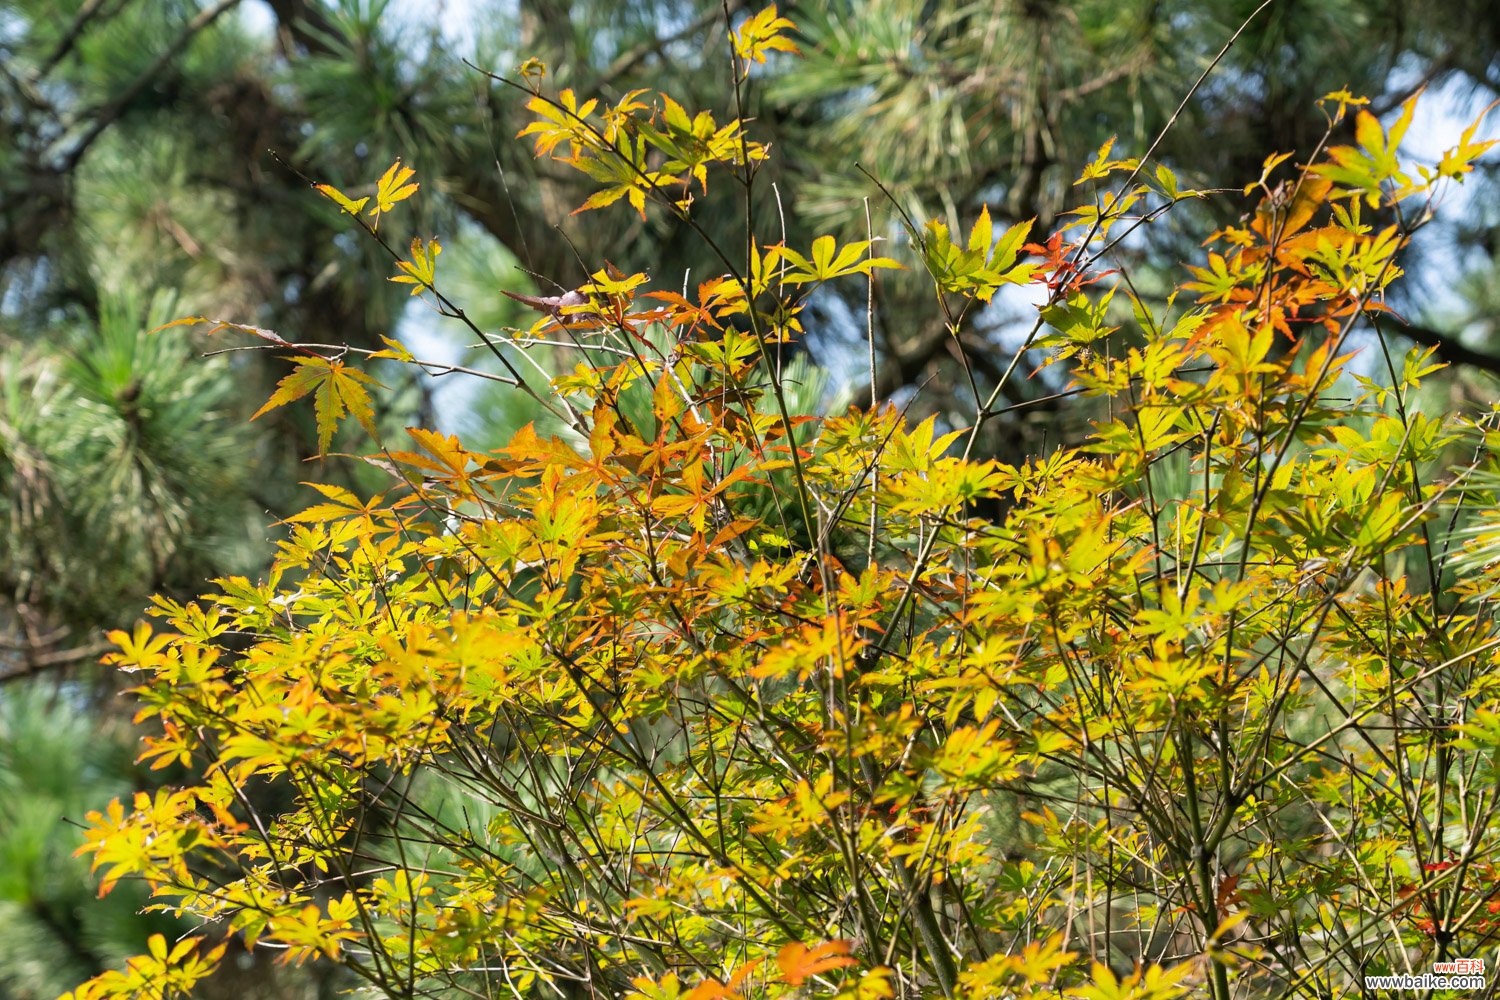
pixel 1458 161
pixel 761 33
pixel 138 650
pixel 337 389
pixel 343 505
pixel 391 188
pixel 799 962
pixel 421 271
pixel 340 199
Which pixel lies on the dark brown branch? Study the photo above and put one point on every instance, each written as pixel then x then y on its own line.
pixel 300 24
pixel 1450 349
pixel 36 662
pixel 1437 68
pixel 628 61
pixel 1113 75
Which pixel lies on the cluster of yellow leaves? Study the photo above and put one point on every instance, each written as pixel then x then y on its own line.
pixel 980 267
pixel 635 149
pixel 762 33
pixel 163 971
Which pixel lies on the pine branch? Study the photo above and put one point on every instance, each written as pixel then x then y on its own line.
pixel 111 112
pixel 71 35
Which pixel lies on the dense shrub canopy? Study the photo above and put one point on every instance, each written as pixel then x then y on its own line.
pixel 712 695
